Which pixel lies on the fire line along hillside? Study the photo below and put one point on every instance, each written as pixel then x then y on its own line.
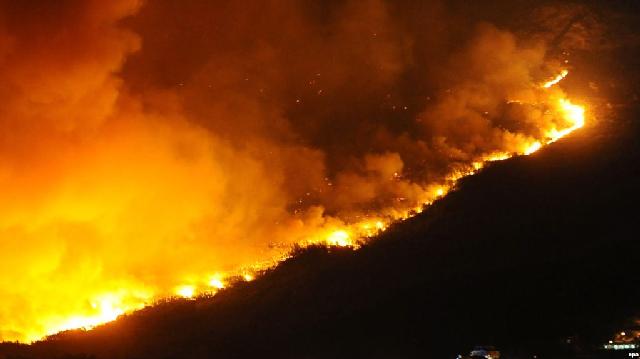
pixel 536 255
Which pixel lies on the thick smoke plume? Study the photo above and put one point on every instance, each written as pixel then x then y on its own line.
pixel 147 146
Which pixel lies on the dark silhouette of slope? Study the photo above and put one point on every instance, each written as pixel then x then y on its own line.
pixel 536 255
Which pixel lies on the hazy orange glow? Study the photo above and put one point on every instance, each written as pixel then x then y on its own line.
pixel 128 178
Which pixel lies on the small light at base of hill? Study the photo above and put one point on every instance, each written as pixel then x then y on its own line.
pixel 620 346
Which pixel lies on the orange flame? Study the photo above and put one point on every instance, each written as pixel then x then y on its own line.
pixel 556 79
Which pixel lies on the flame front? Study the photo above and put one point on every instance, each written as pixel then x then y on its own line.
pixel 556 79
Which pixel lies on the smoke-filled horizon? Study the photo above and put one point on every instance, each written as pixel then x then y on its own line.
pixel 149 145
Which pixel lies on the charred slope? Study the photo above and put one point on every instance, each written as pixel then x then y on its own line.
pixel 526 254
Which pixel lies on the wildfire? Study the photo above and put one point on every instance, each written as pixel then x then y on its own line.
pixel 532 148
pixel 573 114
pixel 104 308
pixel 339 238
pixel 217 282
pixel 108 307
pixel 186 291
pixel 556 79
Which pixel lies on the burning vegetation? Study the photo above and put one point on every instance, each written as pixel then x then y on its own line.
pixel 142 159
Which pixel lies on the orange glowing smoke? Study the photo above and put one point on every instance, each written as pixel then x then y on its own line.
pixel 136 166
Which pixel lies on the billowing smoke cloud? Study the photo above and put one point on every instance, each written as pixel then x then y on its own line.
pixel 144 146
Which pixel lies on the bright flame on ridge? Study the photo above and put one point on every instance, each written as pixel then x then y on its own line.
pixel 556 79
